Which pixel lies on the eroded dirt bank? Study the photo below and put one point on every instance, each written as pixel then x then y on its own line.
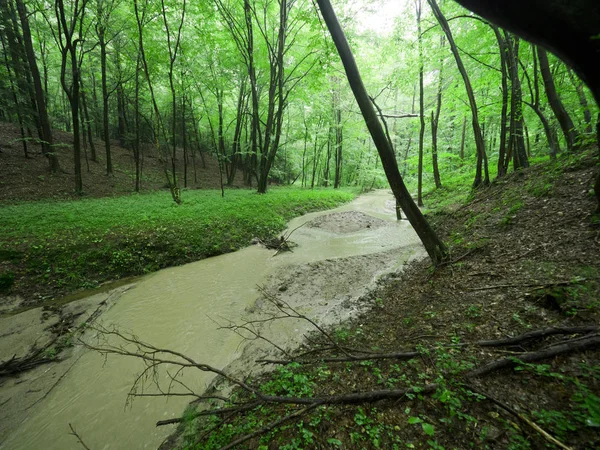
pixel 339 258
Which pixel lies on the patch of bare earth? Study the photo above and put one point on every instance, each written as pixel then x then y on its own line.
pixel 525 256
pixel 346 222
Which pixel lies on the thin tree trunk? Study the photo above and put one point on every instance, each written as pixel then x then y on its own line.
pixel 516 114
pixel 105 96
pixel 13 91
pixel 479 143
pixel 435 120
pixel 587 114
pixel 87 125
pixel 563 117
pixel 40 97
pixel 421 105
pixel 502 152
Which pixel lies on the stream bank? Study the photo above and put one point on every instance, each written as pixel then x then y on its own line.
pixel 336 263
pixel 498 348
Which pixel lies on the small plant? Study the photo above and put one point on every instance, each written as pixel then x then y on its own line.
pixel 473 311
pixel 7 280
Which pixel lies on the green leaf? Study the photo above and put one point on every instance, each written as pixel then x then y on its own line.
pixel 428 429
pixel 413 420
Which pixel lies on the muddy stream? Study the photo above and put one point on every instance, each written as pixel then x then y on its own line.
pixel 340 254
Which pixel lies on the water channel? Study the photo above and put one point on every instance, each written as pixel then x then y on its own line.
pixel 177 308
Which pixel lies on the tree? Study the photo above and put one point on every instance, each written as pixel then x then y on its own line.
pixel 433 245
pixel 479 142
pixel 421 104
pixel 40 98
pixel 564 119
pixel 70 38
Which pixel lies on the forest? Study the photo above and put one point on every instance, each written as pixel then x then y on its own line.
pixel 411 188
pixel 260 88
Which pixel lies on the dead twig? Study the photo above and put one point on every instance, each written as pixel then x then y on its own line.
pixel 270 426
pixel 537 286
pixel 74 433
pixel 537 334
pixel 551 352
pixel 547 436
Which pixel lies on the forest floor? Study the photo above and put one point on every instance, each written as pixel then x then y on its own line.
pixel 525 256
pixel 23 179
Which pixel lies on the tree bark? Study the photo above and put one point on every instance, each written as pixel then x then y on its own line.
pixel 563 117
pixel 435 120
pixel 479 143
pixel 433 245
pixel 421 106
pixel 519 153
pixel 40 97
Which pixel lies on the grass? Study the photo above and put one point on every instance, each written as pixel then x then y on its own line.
pixel 63 246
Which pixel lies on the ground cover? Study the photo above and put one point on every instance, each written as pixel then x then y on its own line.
pixel 51 248
pixel 524 257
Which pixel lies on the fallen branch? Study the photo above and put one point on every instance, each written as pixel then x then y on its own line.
pixel 550 352
pixel 369 357
pixel 35 357
pixel 532 424
pixel 537 286
pixel 271 426
pixel 74 433
pixel 530 335
pixel 211 412
pixel 537 334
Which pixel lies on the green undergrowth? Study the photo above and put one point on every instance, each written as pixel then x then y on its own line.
pixel 57 247
pixel 453 416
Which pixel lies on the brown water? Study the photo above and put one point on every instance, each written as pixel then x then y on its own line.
pixel 176 308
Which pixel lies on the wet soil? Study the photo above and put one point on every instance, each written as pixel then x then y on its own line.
pixel 525 255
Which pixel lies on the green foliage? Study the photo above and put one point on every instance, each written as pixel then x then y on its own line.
pixel 7 280
pixel 76 244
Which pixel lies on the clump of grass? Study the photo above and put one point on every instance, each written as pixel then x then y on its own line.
pixel 79 244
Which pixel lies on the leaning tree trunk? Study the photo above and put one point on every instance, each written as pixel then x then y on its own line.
pixel 563 117
pixel 479 143
pixel 434 246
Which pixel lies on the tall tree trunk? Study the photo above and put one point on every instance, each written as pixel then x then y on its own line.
pixel 421 106
pixel 479 143
pixel 40 98
pixel 87 124
pixel 433 245
pixel 435 120
pixel 338 148
pixel 255 126
pixel 13 90
pixel 516 110
pixel 502 152
pixel 136 143
pixel 535 105
pixel 563 117
pixel 68 28
pixel 587 114
pixel 105 97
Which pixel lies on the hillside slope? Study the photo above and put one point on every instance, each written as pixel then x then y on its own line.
pixel 525 265
pixel 24 179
